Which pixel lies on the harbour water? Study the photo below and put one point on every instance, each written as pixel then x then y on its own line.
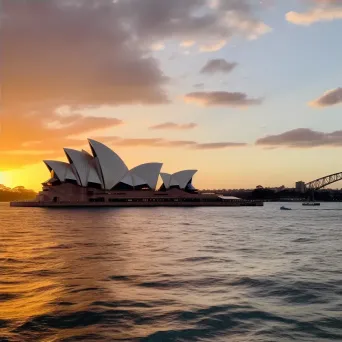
pixel 171 274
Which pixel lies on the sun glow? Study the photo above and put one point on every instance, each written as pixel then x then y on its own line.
pixel 5 179
pixel 29 176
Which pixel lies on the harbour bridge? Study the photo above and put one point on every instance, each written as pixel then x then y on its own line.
pixel 324 181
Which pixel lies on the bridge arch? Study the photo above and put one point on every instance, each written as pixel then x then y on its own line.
pixel 322 182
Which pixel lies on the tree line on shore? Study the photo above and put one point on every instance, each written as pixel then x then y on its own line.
pixel 18 193
pixel 288 194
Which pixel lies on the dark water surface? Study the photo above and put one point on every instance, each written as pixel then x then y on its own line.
pixel 171 274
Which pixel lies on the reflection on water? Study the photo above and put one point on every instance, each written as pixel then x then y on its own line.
pixel 171 274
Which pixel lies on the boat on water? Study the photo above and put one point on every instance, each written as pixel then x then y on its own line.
pixel 285 208
pixel 102 179
pixel 311 203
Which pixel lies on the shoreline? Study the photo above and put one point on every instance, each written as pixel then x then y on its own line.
pixel 34 204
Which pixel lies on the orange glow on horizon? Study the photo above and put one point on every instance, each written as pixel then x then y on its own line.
pixel 6 179
pixel 30 177
pixel 239 168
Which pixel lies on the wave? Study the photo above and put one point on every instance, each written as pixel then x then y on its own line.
pixel 236 275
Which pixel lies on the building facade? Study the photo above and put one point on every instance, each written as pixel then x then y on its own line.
pixel 300 187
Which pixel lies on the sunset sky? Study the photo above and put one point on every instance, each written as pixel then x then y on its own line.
pixel 247 92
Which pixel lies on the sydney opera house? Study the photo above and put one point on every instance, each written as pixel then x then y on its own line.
pixel 103 179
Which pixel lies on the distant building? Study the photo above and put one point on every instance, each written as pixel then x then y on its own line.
pixel 280 188
pixel 300 187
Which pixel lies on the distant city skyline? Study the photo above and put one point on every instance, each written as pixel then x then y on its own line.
pixel 247 92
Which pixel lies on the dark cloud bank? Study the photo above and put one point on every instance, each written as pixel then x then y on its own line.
pixel 302 138
pixel 92 53
pixel 218 66
pixel 328 99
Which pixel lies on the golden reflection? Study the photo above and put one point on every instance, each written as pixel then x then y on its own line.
pixel 33 300
pixel 76 269
pixel 28 281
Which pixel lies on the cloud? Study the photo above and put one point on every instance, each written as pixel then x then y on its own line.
pixel 329 98
pixel 198 85
pixel 27 138
pixel 78 54
pixel 192 21
pixel 88 54
pixel 220 145
pixel 18 158
pixel 79 124
pixel 66 53
pixel 324 10
pixel 302 138
pixel 218 65
pixel 91 53
pixel 160 142
pixel 221 98
pixel 158 46
pixel 213 46
pixel 174 126
pixel 187 43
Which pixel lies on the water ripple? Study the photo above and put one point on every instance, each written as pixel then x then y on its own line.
pixel 171 274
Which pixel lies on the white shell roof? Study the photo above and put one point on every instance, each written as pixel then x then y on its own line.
pixel 148 172
pixel 70 174
pixel 137 180
pixel 62 170
pixel 80 163
pixel 143 174
pixel 181 178
pixel 127 179
pixel 93 176
pixel 174 182
pixel 111 166
pixel 105 167
pixel 84 166
pixel 166 177
pixel 133 180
